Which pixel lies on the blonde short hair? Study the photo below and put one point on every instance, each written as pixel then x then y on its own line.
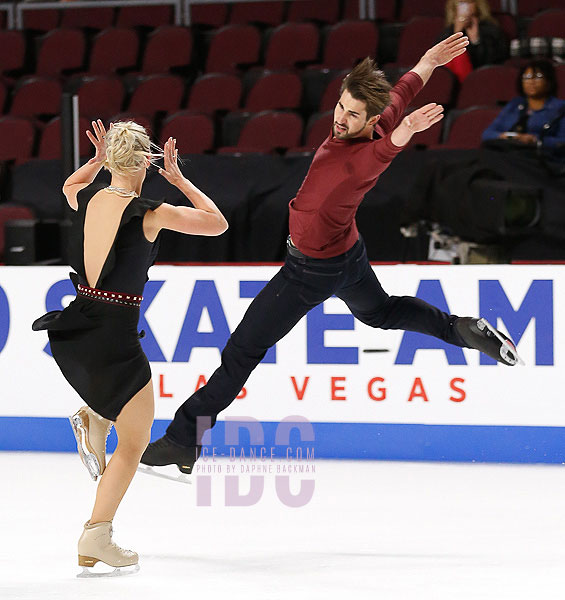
pixel 128 147
pixel 483 8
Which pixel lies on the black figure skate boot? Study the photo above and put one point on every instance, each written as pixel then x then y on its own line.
pixel 481 335
pixel 165 452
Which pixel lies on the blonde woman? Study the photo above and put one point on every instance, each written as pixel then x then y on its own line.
pixel 94 340
pixel 487 44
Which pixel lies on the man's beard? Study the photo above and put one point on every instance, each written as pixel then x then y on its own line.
pixel 344 135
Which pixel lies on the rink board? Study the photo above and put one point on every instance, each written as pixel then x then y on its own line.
pixel 366 393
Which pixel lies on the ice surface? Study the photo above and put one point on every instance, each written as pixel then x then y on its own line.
pixel 377 530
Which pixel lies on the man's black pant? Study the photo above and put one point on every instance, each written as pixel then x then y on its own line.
pixel 300 285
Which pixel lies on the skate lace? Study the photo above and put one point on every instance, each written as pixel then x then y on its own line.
pixel 118 548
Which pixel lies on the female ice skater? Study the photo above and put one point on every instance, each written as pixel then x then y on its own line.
pixel 94 340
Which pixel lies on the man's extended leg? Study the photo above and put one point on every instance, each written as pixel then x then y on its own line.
pixel 271 315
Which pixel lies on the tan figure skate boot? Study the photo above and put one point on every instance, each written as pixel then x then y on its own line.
pixel 96 545
pixel 91 431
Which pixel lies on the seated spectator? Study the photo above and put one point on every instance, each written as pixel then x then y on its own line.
pixel 536 116
pixel 487 42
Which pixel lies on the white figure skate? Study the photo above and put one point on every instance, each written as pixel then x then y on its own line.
pixel 96 546
pixel 91 431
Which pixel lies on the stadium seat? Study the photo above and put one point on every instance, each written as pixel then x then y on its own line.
pixel 465 128
pixel 100 96
pixel 440 89
pixel 507 23
pixel 16 139
pixel 417 8
pixel 113 49
pixel 3 96
pixel 314 10
pixel 60 50
pixel 560 73
pixel 292 43
pixel 274 91
pixel 50 140
pixel 215 91
pixel 268 131
pixel 318 128
pixel 194 132
pixel 88 18
pixel 143 120
pixel 157 93
pixel 416 37
pixel 530 8
pixel 11 212
pixel 332 93
pixel 550 23
pixel 209 15
pixel 144 16
pixel 12 51
pixel 231 46
pixel 264 13
pixel 35 96
pixel 167 47
pixel 41 20
pixel 348 42
pixel 492 85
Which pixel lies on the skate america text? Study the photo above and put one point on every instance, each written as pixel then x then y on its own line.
pixel 494 304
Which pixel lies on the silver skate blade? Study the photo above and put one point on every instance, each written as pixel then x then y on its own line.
pixel 507 349
pixel 179 477
pixel 89 460
pixel 88 573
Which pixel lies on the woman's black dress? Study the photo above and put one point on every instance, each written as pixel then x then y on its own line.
pixel 96 344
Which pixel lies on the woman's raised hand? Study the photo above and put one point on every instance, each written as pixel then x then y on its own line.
pixel 98 142
pixel 170 170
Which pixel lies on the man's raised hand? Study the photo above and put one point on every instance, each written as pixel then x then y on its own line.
pixel 423 118
pixel 447 50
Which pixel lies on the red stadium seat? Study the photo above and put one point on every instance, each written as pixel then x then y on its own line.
pixel 491 85
pixel 314 10
pixel 348 42
pixel 274 91
pixel 194 132
pixel 417 8
pixel 88 18
pixel 550 23
pixel 144 16
pixel 416 37
pixel 266 13
pixel 34 96
pixel 113 49
pixel 211 15
pixel 11 212
pixel 270 130
pixel 332 93
pixel 12 51
pixel 3 95
pixel 560 73
pixel 143 120
pixel 231 46
pixel 41 20
pixel 50 142
pixel 530 8
pixel 215 91
pixel 507 23
pixel 157 93
pixel 318 128
pixel 16 139
pixel 100 96
pixel 467 127
pixel 292 43
pixel 439 89
pixel 167 47
pixel 60 50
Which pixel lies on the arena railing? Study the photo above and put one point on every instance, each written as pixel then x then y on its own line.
pixel 22 7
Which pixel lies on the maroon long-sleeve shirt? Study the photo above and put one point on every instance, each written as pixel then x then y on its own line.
pixel 322 216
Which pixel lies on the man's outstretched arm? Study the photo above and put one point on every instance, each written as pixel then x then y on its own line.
pixel 441 54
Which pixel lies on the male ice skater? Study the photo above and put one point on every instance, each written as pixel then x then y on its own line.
pixel 326 256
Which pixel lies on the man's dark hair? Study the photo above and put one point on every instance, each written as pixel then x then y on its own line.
pixel 546 68
pixel 369 85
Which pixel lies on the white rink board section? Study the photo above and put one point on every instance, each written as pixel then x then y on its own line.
pixel 393 531
pixel 188 307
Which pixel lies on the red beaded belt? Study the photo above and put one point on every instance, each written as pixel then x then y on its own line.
pixel 109 297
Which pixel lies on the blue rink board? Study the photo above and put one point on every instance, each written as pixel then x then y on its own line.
pixel 370 441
